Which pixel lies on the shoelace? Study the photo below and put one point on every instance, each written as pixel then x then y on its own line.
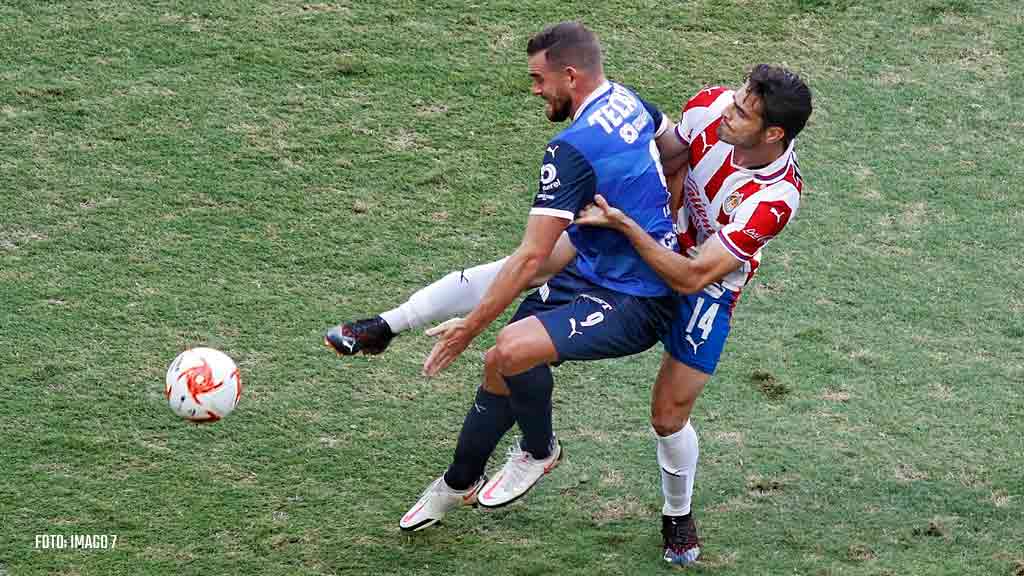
pixel 439 487
pixel 520 460
pixel 432 488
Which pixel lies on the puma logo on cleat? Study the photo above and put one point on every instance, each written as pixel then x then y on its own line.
pixel 349 343
pixel 552 150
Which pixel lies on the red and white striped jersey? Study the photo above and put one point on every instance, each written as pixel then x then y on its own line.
pixel 745 208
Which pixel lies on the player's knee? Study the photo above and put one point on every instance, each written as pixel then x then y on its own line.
pixel 491 360
pixel 502 356
pixel 515 350
pixel 492 372
pixel 504 353
pixel 667 426
pixel 667 422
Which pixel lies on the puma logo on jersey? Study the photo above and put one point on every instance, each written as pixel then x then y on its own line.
pixel 572 328
pixel 552 150
pixel 695 345
pixel 778 215
pixel 707 146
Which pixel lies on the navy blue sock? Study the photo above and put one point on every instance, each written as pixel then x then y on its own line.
pixel 486 422
pixel 531 405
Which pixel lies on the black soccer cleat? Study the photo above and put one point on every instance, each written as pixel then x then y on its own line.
pixel 369 336
pixel 682 546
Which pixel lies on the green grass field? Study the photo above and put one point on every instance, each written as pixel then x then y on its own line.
pixel 244 174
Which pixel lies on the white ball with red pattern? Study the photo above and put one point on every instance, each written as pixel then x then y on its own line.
pixel 203 385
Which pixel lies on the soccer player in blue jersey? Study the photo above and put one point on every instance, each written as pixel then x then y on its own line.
pixel 607 303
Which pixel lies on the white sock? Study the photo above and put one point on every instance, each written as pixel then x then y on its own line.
pixel 454 295
pixel 677 456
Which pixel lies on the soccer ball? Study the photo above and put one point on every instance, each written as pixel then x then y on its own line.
pixel 203 385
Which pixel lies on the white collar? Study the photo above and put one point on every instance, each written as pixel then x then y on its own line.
pixel 777 168
pixel 597 93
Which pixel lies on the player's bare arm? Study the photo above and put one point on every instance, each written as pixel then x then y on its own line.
pixel 674 182
pixel 536 252
pixel 683 274
pixel 673 151
pixel 521 268
pixel 674 162
pixel 560 257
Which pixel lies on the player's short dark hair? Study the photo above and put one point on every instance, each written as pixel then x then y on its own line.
pixel 568 44
pixel 785 97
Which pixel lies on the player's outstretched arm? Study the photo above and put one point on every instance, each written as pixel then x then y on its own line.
pixel 519 270
pixel 459 291
pixel 683 274
pixel 562 254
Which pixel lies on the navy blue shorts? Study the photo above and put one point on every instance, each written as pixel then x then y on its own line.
pixel 700 327
pixel 588 322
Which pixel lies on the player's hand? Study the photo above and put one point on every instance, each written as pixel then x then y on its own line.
pixel 600 213
pixel 443 328
pixel 450 344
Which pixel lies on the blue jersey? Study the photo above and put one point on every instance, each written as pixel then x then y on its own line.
pixel 609 149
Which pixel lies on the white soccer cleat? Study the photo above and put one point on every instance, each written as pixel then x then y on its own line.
pixel 437 500
pixel 519 474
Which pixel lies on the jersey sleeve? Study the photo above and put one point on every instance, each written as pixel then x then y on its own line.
pixel 695 111
pixel 659 120
pixel 758 219
pixel 567 182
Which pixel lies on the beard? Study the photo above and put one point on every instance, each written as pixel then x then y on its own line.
pixel 558 109
pixel 729 138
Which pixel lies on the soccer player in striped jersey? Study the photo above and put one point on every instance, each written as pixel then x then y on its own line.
pixel 734 176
